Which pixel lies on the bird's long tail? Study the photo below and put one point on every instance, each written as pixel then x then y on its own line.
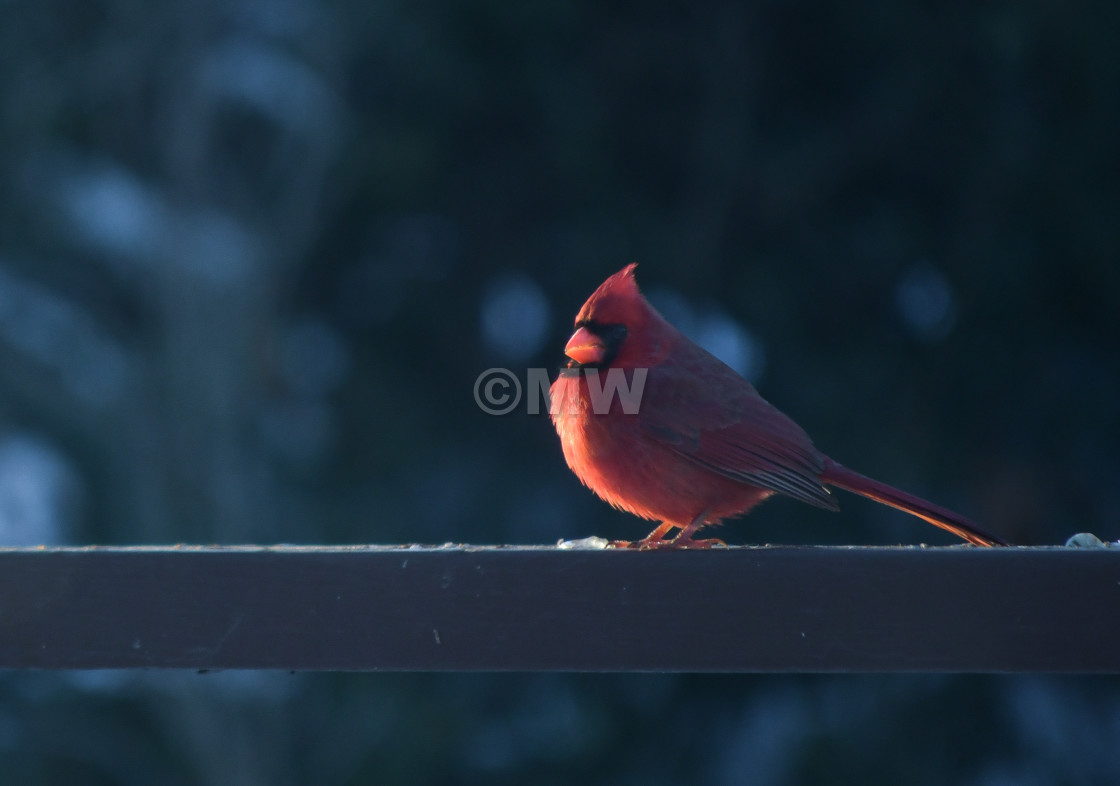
pixel 836 475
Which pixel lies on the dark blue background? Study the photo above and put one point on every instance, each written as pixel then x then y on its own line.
pixel 254 254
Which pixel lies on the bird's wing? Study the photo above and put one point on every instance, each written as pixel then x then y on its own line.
pixel 703 410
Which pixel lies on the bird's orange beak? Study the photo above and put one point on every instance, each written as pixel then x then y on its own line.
pixel 585 348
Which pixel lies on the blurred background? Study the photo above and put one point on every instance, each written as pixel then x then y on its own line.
pixel 254 254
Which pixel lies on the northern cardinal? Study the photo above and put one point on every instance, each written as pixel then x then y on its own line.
pixel 703 445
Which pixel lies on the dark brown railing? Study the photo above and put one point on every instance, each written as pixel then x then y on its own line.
pixel 803 609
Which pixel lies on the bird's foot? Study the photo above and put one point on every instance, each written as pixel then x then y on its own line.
pixel 682 540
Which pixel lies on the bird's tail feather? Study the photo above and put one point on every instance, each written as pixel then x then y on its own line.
pixel 836 475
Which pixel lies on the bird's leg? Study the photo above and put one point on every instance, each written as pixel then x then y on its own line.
pixel 684 540
pixel 653 540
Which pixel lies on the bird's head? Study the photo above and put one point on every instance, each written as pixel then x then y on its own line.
pixel 616 327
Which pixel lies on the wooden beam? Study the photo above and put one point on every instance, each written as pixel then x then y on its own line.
pixel 804 609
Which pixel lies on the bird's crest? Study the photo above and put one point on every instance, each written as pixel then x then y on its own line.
pixel 617 300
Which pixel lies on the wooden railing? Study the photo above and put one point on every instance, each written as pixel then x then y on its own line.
pixel 802 609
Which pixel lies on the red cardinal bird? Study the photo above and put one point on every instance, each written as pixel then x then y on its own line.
pixel 703 444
